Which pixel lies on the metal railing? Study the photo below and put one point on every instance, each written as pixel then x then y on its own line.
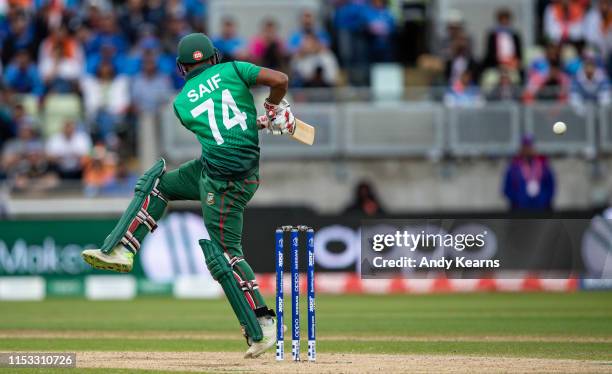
pixel 422 129
pixel 580 134
pixel 393 129
pixel 605 129
pixel 493 129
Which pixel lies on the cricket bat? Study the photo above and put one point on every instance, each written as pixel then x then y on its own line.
pixel 304 133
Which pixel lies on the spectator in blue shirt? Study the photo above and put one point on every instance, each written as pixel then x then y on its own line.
pixel 308 25
pixel 196 11
pixel 132 63
pixel 109 33
pixel 381 26
pixel 174 29
pixel 231 46
pixel 150 47
pixel 157 86
pixel 350 25
pixel 132 18
pixel 529 183
pixel 21 35
pixel 107 53
pixel 349 15
pixel 590 84
pixel 22 75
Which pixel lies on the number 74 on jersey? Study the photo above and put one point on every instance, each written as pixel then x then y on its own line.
pixel 303 132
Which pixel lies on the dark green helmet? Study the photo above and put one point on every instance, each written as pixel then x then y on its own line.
pixel 194 48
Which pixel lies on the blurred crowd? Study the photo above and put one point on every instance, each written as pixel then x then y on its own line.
pixel 75 76
pixel 76 73
pixel 573 64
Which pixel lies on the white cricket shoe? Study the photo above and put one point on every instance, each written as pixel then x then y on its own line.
pixel 120 259
pixel 268 327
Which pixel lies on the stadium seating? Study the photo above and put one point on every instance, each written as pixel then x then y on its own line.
pixel 57 109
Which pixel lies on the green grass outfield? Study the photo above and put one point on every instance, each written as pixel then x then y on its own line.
pixel 539 325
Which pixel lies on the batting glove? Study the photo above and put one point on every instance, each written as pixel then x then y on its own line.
pixel 280 117
pixel 263 123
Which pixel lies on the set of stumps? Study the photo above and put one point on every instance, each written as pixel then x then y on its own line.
pixel 294 232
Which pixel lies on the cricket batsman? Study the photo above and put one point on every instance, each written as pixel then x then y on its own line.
pixel 217 106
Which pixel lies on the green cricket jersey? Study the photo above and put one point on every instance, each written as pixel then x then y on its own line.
pixel 217 106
